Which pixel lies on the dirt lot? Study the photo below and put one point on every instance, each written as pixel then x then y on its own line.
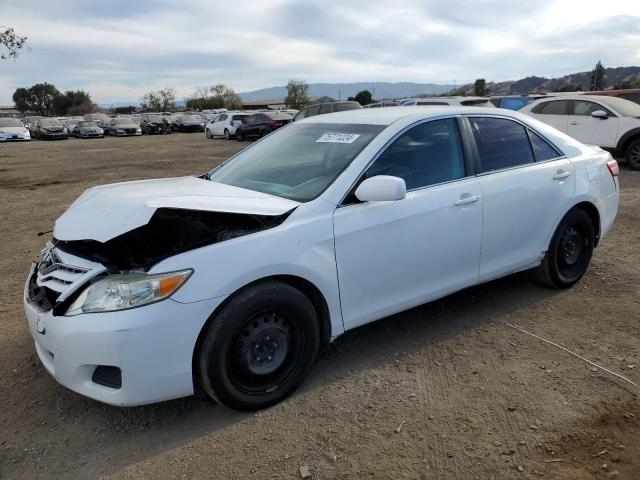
pixel 444 391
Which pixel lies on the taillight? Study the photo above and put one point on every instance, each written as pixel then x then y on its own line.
pixel 613 167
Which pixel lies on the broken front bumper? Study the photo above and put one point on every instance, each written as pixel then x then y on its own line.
pixel 150 348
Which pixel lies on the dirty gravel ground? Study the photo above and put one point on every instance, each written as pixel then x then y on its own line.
pixel 443 391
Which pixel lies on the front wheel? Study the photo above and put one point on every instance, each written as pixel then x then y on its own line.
pixel 632 155
pixel 259 347
pixel 239 136
pixel 209 136
pixel 569 253
pixel 227 135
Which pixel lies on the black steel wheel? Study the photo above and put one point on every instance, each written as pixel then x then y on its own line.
pixel 259 347
pixel 632 155
pixel 569 253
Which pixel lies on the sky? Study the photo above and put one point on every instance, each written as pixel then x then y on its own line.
pixel 118 50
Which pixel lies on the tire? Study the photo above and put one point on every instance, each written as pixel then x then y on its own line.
pixel 569 253
pixel 239 136
pixel 632 155
pixel 208 132
pixel 227 135
pixel 259 347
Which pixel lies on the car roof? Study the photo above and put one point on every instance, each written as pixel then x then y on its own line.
pixel 388 115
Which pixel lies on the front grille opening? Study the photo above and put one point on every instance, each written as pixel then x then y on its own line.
pixel 43 297
pixel 107 376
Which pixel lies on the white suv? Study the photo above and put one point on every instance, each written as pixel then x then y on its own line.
pixel 232 280
pixel 609 122
pixel 224 125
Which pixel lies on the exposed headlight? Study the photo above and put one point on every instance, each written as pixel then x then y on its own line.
pixel 124 291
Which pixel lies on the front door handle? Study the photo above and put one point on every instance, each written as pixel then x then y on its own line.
pixel 561 174
pixel 466 199
pixel 574 123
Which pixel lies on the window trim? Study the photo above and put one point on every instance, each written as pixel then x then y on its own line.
pixel 478 170
pixel 466 156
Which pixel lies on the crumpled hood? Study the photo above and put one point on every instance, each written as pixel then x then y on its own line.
pixel 102 213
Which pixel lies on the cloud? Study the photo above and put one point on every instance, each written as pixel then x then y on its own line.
pixel 118 50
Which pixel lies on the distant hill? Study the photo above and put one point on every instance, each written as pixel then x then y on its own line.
pixel 613 78
pixel 381 90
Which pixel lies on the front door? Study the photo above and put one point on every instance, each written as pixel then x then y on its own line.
pixel 594 131
pixel 395 255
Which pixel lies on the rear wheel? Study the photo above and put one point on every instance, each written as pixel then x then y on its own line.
pixel 259 347
pixel 632 155
pixel 569 253
pixel 227 135
pixel 239 136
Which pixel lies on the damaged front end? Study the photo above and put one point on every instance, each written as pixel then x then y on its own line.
pixel 170 231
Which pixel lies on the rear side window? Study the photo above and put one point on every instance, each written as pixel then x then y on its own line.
pixel 542 150
pixel 501 143
pixel 343 107
pixel 432 103
pixel 552 108
pixel 632 97
pixel 313 110
pixel 427 154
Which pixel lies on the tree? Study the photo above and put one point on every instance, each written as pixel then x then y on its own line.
pixel 124 110
pixel 200 100
pixel 10 43
pixel 162 100
pixel 364 97
pixel 480 87
pixel 297 94
pixel 570 87
pixel 225 97
pixel 38 98
pixel 597 77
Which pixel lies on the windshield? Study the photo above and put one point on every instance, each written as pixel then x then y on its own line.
pixel 10 122
pixel 87 124
pixel 298 161
pixel 49 122
pixel 626 108
pixel 96 117
pixel 190 118
pixel 155 118
pixel 123 121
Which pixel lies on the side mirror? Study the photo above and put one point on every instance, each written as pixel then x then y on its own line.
pixel 381 188
pixel 601 114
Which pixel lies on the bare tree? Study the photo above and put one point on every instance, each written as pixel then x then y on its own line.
pixel 226 97
pixel 10 43
pixel 161 100
pixel 297 94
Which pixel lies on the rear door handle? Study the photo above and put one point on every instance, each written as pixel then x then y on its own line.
pixel 561 174
pixel 466 199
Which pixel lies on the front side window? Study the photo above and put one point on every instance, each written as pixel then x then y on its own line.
pixel 427 154
pixel 582 107
pixel 501 143
pixel 552 108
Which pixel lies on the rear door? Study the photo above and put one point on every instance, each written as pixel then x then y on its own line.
pixel 554 113
pixel 218 125
pixel 526 186
pixel 583 127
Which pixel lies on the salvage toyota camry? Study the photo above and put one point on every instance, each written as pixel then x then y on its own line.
pixel 231 281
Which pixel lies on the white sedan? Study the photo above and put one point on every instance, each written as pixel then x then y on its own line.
pixel 231 281
pixel 224 125
pixel 12 129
